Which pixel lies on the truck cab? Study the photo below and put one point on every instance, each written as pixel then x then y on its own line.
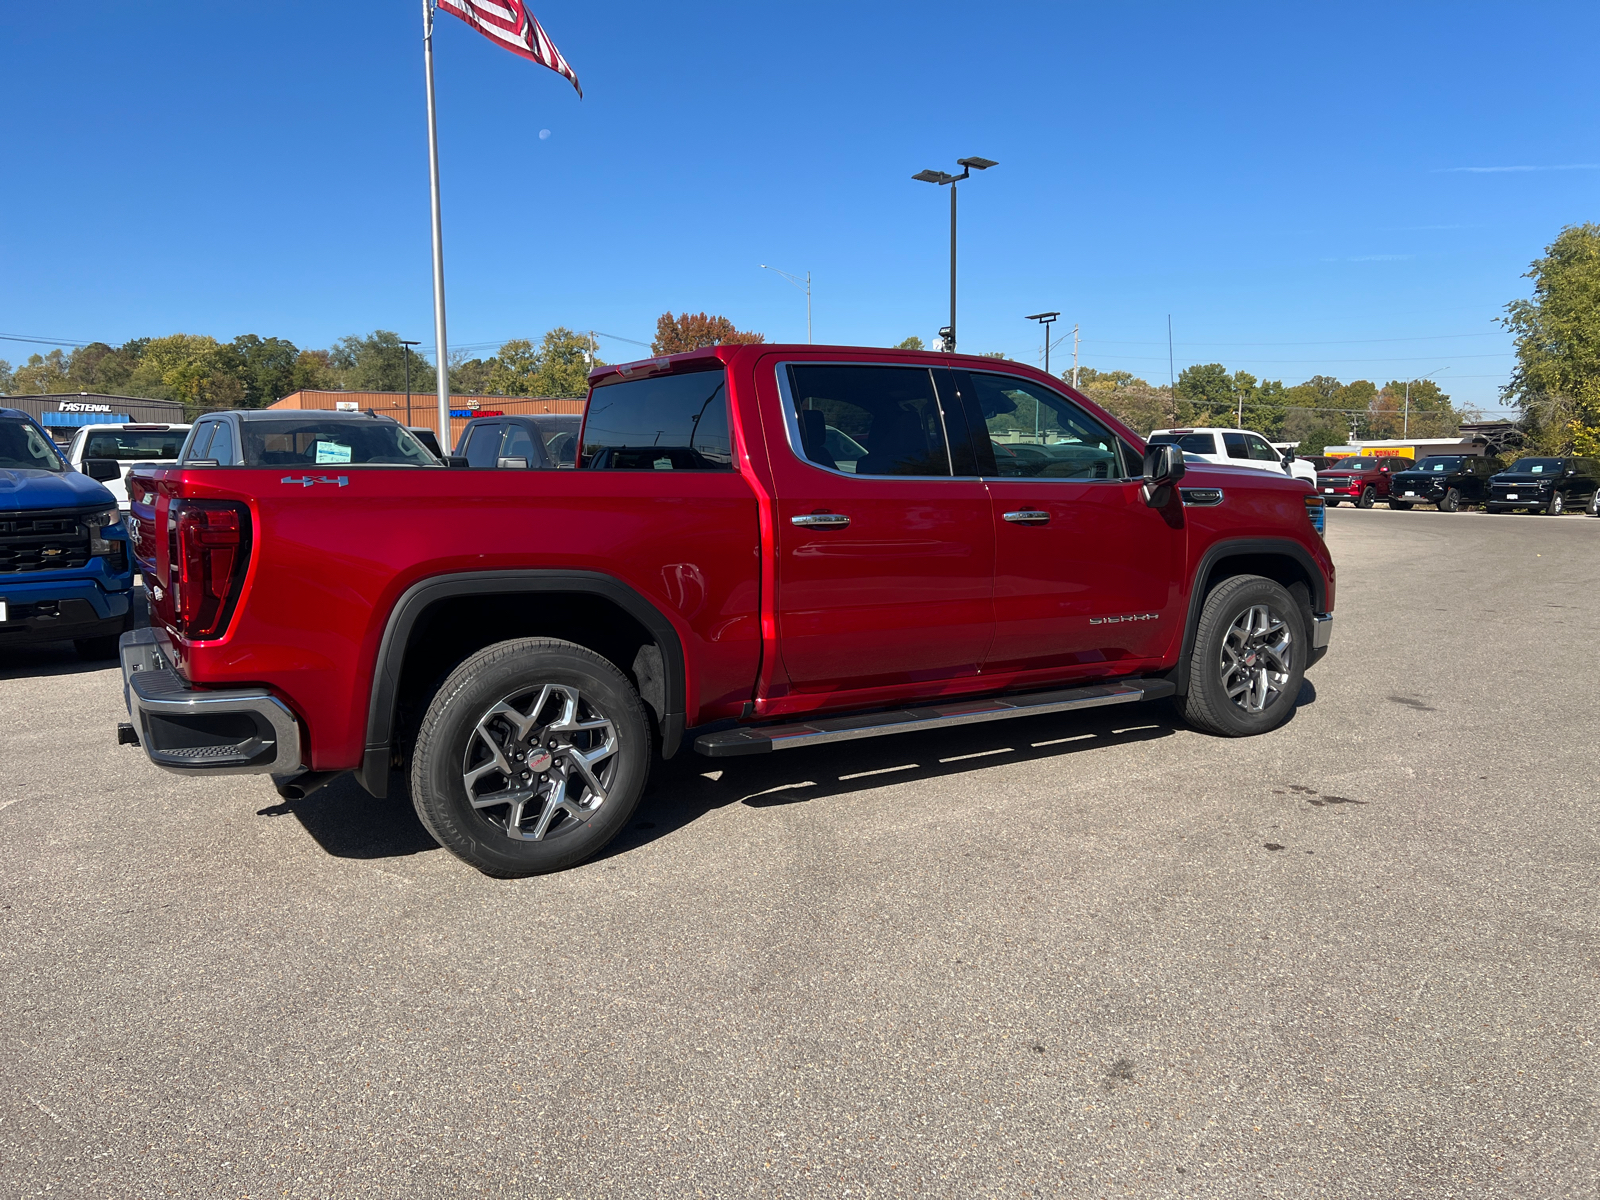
pixel 65 572
pixel 126 445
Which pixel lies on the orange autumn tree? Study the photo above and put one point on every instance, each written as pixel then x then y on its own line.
pixel 692 331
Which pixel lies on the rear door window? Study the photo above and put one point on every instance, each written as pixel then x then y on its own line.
pixel 483 444
pixel 201 441
pixel 660 423
pixel 1235 445
pixel 311 441
pixel 869 420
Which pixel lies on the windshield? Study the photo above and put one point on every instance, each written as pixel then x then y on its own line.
pixel 1355 464
pixel 23 447
pixel 1189 443
pixel 1439 464
pixel 1537 466
pixel 122 444
pixel 310 442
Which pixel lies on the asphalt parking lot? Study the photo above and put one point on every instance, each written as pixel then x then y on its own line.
pixel 1091 956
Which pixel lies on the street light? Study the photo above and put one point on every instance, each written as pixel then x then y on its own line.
pixel 1045 319
pixel 1405 429
pixel 967 165
pixel 806 288
pixel 406 346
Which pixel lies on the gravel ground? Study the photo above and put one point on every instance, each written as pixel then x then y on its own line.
pixel 1090 956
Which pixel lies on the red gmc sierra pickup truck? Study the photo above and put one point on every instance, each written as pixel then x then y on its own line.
pixel 761 547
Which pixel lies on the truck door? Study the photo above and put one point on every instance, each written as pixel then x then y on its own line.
pixel 1086 574
pixel 885 547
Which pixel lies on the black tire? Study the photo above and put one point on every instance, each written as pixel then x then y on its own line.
pixel 1368 495
pixel 1215 660
pixel 1400 505
pixel 1451 501
pixel 1330 504
pixel 1594 504
pixel 1556 505
pixel 537 677
pixel 97 648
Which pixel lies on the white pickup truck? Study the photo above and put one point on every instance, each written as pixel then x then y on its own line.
pixel 1235 448
pixel 128 444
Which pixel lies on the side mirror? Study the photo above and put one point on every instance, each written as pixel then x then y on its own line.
pixel 457 461
pixel 1288 457
pixel 518 463
pixel 1163 467
pixel 102 469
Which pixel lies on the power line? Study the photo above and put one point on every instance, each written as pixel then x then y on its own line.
pixel 1427 358
pixel 1432 337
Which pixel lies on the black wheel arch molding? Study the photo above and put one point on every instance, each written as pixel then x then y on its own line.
pixel 1257 549
pixel 671 686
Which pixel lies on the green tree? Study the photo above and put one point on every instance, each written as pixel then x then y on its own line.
pixel 265 367
pixel 377 363
pixel 565 359
pixel 1125 396
pixel 1556 382
pixel 470 376
pixel 694 331
pixel 7 379
pixel 189 367
pixel 98 367
pixel 512 372
pixel 911 343
pixel 42 373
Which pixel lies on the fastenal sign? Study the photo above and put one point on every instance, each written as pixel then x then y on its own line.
pixel 76 406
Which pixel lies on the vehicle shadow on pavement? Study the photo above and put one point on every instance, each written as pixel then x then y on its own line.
pixel 688 786
pixel 348 822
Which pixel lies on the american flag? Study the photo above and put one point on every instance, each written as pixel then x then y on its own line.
pixel 510 24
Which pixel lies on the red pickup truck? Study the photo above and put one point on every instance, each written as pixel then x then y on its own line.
pixel 761 547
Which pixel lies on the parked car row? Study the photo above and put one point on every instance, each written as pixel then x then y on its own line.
pixel 1552 485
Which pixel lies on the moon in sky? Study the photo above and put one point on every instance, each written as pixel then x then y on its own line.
pixel 543 134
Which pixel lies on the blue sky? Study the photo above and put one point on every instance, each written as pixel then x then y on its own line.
pixel 1352 190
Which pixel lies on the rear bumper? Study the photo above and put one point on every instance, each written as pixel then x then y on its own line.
pixel 198 731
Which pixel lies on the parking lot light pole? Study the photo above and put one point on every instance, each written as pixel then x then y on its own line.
pixel 806 289
pixel 967 165
pixel 1405 428
pixel 406 346
pixel 1045 319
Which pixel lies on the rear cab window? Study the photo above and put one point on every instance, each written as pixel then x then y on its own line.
pixel 861 419
pixel 676 422
pixel 1189 443
pixel 299 442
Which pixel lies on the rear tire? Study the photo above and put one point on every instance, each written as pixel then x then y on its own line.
pixel 554 729
pixel 1400 505
pixel 1368 496
pixel 1248 661
pixel 1451 501
pixel 1594 505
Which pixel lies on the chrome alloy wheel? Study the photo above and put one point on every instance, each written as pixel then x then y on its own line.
pixel 544 758
pixel 1255 660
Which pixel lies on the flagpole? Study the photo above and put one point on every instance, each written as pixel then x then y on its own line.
pixel 441 354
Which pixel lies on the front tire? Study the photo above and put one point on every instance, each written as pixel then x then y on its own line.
pixel 531 757
pixel 1368 495
pixel 1451 501
pixel 1400 505
pixel 1557 505
pixel 1248 661
pixel 1594 504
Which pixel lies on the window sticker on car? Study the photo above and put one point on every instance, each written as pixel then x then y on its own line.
pixel 332 452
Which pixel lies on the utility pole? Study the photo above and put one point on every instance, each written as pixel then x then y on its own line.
pixel 1074 355
pixel 407 347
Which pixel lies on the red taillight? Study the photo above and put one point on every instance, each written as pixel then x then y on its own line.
pixel 211 547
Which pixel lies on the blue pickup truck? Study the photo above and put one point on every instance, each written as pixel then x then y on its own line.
pixel 65 572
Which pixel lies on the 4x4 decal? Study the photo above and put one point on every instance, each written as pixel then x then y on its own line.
pixel 308 480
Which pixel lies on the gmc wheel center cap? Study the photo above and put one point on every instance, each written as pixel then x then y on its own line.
pixel 539 760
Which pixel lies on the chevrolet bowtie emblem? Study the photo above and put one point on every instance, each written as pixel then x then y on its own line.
pixel 308 480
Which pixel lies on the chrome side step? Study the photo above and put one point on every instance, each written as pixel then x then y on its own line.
pixel 762 739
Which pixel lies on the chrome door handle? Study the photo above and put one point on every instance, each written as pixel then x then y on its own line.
pixel 821 520
pixel 1028 516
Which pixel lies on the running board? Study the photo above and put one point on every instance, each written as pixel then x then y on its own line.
pixel 762 739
